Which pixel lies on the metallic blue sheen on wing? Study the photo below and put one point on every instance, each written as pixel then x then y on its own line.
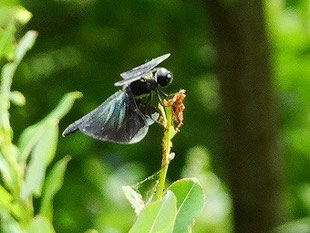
pixel 117 119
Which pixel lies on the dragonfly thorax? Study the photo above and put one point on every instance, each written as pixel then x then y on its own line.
pixel 143 86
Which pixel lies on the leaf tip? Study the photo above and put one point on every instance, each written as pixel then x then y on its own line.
pixel 77 94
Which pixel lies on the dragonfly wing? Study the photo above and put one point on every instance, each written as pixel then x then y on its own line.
pixel 145 68
pixel 116 120
pixel 127 81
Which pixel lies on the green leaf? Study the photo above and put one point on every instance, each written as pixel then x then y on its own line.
pixel 9 69
pixel 5 172
pixel 6 41
pixel 301 225
pixel 53 184
pixel 11 11
pixel 190 199
pixel 91 231
pixel 41 156
pixel 32 134
pixel 29 139
pixel 9 3
pixel 5 200
pixel 22 15
pixel 9 224
pixel 24 45
pixel 7 75
pixel 65 105
pixel 17 98
pixel 39 225
pixel 158 216
pixel 134 198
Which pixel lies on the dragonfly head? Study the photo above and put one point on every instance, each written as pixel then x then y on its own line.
pixel 163 77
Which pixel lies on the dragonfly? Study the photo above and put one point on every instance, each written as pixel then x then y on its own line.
pixel 124 117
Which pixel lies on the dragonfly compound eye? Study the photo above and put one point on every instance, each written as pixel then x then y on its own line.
pixel 163 77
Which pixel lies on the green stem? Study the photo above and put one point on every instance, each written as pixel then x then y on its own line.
pixel 6 146
pixel 168 134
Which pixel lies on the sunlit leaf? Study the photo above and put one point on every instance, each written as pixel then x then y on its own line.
pixel 91 231
pixel 10 3
pixel 53 184
pixel 5 200
pixel 5 172
pixel 24 45
pixel 32 134
pixel 158 216
pixel 64 105
pixel 299 225
pixel 190 199
pixel 7 74
pixel 11 11
pixel 17 98
pixel 6 41
pixel 22 15
pixel 10 225
pixel 41 156
pixel 40 225
pixel 134 198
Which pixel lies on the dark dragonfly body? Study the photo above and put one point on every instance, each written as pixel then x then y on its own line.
pixel 141 87
pixel 123 117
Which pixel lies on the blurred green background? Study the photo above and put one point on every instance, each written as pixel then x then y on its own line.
pixel 85 44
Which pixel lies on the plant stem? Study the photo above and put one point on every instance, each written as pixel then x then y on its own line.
pixel 166 144
pixel 7 149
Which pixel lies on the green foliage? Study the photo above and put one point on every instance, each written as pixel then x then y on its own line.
pixel 40 224
pixel 217 207
pixel 53 184
pixel 41 156
pixel 190 199
pixel 158 216
pixel 23 179
pixel 82 51
pixel 184 199
pixel 288 28
pixel 175 213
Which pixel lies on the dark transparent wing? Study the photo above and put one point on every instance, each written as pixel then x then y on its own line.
pixel 127 81
pixel 117 120
pixel 145 68
pixel 140 71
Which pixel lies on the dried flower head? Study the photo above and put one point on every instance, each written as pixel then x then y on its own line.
pixel 178 107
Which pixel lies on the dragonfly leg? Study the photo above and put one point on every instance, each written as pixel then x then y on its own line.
pixel 159 97
pixel 163 93
pixel 148 103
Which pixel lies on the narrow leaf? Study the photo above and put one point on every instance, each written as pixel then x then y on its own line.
pixel 40 225
pixel 158 216
pixel 64 105
pixel 30 138
pixel 24 45
pixel 134 198
pixel 91 231
pixel 5 200
pixel 22 15
pixel 6 41
pixel 9 224
pixel 17 98
pixel 41 156
pixel 31 135
pixel 190 199
pixel 5 172
pixel 53 184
